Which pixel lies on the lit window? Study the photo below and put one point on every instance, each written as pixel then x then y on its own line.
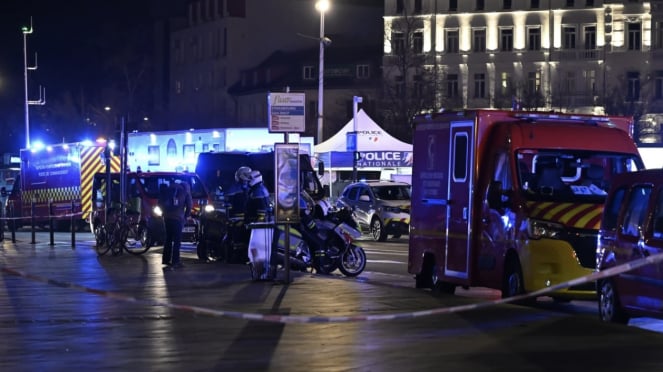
pixel 533 82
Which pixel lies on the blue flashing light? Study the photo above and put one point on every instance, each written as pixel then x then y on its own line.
pixel 37 145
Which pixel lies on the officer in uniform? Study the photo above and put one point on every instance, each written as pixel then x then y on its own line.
pixel 259 205
pixel 237 194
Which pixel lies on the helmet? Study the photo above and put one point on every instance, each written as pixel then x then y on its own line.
pixel 243 174
pixel 256 177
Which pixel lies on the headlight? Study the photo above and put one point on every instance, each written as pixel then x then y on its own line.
pixel 537 229
pixel 600 252
pixel 392 209
pixel 157 211
pixel 209 208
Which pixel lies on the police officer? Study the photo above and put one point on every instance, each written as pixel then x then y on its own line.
pixel 237 194
pixel 258 205
pixel 176 204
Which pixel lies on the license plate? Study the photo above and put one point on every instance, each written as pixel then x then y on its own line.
pixel 189 229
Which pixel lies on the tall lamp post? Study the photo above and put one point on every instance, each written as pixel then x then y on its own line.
pixel 26 31
pixel 322 6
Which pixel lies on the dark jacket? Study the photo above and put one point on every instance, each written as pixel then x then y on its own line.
pixel 237 196
pixel 258 205
pixel 182 205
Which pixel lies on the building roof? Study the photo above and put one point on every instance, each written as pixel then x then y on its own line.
pixel 283 69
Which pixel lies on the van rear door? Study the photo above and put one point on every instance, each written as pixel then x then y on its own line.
pixel 460 181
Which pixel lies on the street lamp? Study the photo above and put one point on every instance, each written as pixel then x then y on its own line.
pixel 26 31
pixel 322 6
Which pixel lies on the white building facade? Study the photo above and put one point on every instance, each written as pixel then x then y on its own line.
pixel 570 55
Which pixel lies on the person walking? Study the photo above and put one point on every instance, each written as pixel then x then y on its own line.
pixel 176 204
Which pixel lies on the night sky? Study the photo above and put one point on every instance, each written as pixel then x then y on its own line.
pixel 72 39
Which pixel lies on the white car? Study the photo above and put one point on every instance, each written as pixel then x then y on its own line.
pixel 381 208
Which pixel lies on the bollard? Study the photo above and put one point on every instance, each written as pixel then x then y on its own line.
pixel 286 260
pixel 73 227
pixel 51 223
pixel 32 221
pixel 2 225
pixel 13 220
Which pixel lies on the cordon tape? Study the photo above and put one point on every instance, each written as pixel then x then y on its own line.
pixel 286 319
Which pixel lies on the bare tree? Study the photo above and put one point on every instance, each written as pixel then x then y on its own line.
pixel 411 77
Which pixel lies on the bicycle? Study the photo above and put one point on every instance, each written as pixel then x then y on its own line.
pixel 122 234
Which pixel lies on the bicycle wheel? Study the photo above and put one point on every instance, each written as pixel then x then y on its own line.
pixel 117 239
pixel 101 236
pixel 139 244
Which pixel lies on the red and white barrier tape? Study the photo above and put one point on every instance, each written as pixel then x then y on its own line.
pixel 287 319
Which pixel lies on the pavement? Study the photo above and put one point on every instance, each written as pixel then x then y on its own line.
pixel 65 308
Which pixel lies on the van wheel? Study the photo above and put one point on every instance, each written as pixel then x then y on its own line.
pixel 377 230
pixel 428 278
pixel 513 281
pixel 609 308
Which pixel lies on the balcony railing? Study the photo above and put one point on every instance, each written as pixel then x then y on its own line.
pixel 578 54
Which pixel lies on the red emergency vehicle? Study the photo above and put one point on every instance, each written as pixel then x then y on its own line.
pixel 56 178
pixel 512 200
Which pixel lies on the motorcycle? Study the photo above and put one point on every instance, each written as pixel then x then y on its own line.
pixel 338 231
pixel 223 239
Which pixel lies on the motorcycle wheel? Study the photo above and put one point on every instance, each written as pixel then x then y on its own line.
pixel 353 261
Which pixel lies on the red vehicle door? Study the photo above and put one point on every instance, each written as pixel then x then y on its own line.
pixel 460 181
pixel 632 286
pixel 654 245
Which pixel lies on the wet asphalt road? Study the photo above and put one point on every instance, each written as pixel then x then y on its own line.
pixel 67 309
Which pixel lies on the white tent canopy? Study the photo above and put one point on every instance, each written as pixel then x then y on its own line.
pixel 370 137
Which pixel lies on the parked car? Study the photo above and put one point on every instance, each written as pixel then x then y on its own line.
pixel 632 228
pixel 380 208
pixel 142 194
